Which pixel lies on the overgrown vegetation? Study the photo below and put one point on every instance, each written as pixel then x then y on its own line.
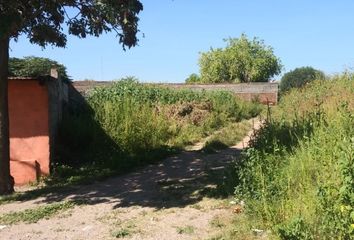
pixel 297 177
pixel 131 124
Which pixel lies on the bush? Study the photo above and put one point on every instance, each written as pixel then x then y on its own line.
pixel 35 67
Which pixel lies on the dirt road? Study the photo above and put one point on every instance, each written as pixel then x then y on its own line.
pixel 176 199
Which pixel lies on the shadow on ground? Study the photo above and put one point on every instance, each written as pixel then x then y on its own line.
pixel 178 181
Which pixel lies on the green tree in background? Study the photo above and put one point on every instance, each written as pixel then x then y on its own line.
pixel 242 60
pixel 299 77
pixel 42 22
pixel 34 67
pixel 193 78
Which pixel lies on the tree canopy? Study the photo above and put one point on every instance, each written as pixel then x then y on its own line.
pixel 299 77
pixel 242 60
pixel 35 66
pixel 42 22
pixel 193 78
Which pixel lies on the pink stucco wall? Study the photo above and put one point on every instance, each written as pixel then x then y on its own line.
pixel 29 130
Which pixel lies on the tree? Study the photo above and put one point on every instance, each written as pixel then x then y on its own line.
pixel 35 66
pixel 299 77
pixel 193 78
pixel 242 60
pixel 42 22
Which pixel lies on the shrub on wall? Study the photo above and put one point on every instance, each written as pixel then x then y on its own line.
pixel 35 67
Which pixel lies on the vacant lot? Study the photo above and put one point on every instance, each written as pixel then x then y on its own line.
pixel 180 198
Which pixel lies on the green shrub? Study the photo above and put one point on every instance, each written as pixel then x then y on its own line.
pixel 242 60
pixel 295 230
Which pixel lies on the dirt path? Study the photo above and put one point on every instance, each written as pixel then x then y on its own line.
pixel 176 199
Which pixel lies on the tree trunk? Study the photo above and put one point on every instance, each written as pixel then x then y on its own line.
pixel 6 181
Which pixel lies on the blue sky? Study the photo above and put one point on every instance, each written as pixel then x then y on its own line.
pixel 302 33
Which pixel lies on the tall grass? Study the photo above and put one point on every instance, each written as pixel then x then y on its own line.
pixel 128 123
pixel 298 175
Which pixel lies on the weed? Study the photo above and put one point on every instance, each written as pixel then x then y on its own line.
pixel 36 214
pixel 121 233
pixel 216 222
pixel 127 230
pixel 185 230
pixel 295 230
pixel 196 206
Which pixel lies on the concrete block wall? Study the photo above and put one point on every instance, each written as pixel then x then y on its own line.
pixel 264 92
pixel 29 130
pixel 35 111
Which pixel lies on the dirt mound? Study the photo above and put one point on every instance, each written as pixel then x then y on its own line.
pixel 191 112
